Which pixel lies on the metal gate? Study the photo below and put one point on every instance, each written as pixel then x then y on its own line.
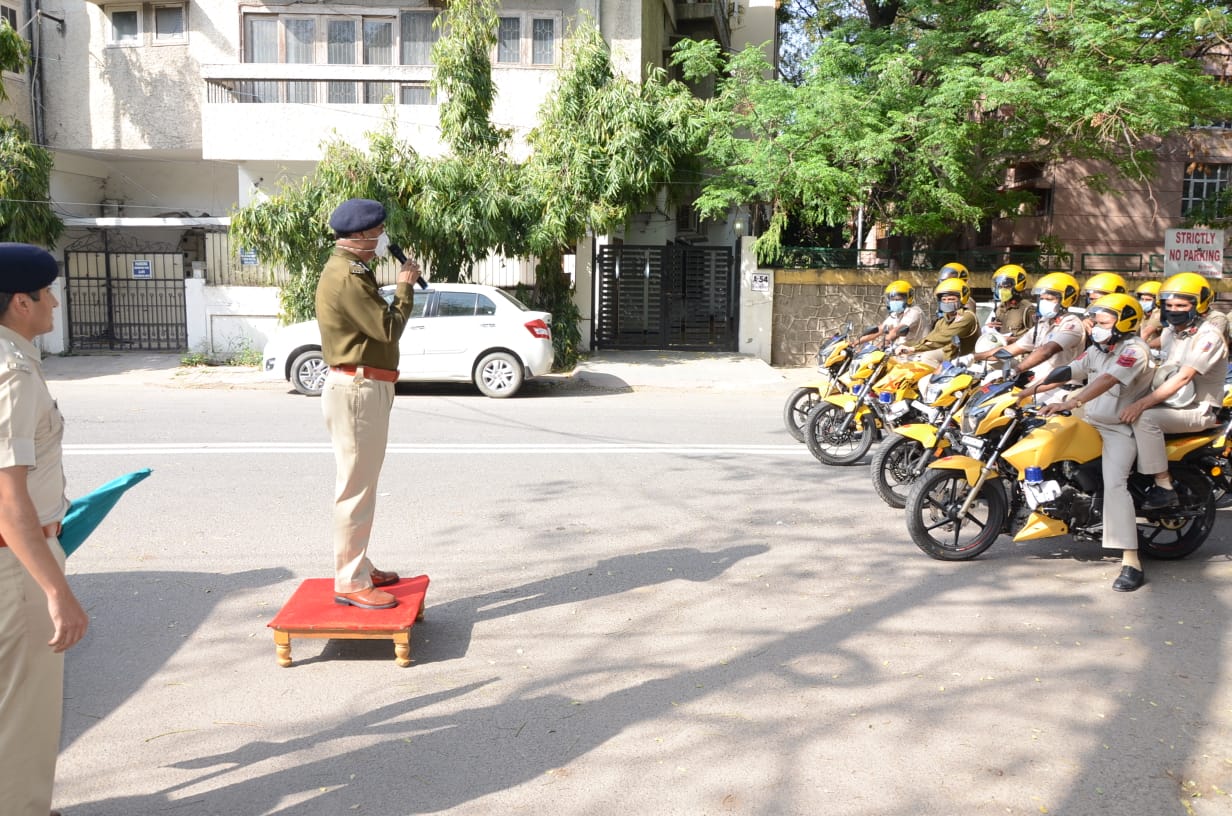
pixel 124 297
pixel 659 297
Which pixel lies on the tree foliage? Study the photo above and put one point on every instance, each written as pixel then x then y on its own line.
pixel 25 167
pixel 916 109
pixel 602 147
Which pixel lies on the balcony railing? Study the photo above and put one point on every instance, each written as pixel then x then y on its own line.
pixel 269 83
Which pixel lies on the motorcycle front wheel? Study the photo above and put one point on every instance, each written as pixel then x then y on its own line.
pixel 933 519
pixel 830 442
pixel 796 410
pixel 895 467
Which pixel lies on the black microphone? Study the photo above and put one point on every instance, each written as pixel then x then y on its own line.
pixel 400 257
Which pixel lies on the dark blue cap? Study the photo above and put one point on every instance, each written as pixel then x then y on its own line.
pixel 357 215
pixel 26 268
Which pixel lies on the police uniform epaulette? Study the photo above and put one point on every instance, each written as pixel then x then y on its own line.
pixel 358 268
pixel 12 358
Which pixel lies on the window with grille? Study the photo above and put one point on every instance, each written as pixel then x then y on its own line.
pixel 391 38
pixel 1204 183
pixel 509 40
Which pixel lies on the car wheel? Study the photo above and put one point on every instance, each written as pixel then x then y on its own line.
pixel 308 373
pixel 498 374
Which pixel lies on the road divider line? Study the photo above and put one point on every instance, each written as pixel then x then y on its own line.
pixel 493 449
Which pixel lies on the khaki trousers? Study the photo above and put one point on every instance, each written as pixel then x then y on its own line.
pixel 357 415
pixel 1120 520
pixel 1150 428
pixel 31 690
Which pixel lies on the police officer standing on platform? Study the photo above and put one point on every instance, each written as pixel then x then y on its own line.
pixel 39 616
pixel 359 340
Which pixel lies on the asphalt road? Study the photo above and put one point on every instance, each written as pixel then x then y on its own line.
pixel 648 601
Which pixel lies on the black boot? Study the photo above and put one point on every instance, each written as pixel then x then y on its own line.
pixel 1129 579
pixel 1158 498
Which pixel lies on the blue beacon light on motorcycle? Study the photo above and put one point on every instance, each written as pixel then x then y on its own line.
pixel 1035 475
pixel 885 397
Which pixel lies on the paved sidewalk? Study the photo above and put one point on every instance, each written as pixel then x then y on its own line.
pixel 605 370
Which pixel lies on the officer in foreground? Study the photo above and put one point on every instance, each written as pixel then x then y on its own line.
pixel 39 616
pixel 359 340
pixel 1117 371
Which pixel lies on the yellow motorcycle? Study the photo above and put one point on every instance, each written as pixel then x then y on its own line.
pixel 842 429
pixel 833 358
pixel 1041 477
pixel 912 447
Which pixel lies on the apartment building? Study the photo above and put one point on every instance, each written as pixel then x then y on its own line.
pixel 164 116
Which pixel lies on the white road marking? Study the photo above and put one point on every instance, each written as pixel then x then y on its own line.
pixel 494 449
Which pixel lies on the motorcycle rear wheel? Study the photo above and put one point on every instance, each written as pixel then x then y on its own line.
pixel 796 410
pixel 1168 539
pixel 830 443
pixel 932 515
pixel 893 468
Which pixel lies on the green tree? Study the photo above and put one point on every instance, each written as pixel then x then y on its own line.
pixel 915 110
pixel 602 148
pixel 25 168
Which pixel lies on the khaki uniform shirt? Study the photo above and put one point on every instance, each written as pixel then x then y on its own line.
pixel 1204 350
pixel 1152 325
pixel 1016 318
pixel 31 427
pixel 357 326
pixel 911 317
pixel 964 325
pixel 1129 362
pixel 1066 330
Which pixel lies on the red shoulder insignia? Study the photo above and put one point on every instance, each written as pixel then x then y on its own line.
pixel 1127 359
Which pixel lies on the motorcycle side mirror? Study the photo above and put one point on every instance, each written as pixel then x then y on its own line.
pixel 1003 355
pixel 1024 379
pixel 1058 375
pixel 869 330
pixel 902 331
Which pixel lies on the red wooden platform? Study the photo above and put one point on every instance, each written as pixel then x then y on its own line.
pixel 312 613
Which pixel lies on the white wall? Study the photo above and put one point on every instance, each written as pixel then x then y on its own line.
pixel 756 308
pixel 226 320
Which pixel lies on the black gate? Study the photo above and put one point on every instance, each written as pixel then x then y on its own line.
pixel 659 297
pixel 124 297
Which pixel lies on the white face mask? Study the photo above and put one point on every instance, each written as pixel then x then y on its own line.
pixel 382 246
pixel 896 306
pixel 1101 334
pixel 1047 308
pixel 948 306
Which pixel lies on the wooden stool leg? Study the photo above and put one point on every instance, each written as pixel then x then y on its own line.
pixel 402 649
pixel 419 615
pixel 282 644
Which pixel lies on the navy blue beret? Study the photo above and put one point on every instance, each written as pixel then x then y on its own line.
pixel 357 215
pixel 26 268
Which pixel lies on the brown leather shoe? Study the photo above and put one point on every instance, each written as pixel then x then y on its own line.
pixel 382 578
pixel 370 598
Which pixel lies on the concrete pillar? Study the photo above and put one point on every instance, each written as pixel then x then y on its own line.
pixel 195 315
pixel 584 289
pixel 756 303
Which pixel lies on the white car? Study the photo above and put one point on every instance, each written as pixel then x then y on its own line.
pixel 457 332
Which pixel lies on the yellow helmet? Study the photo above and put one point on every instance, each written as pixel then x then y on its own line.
pixel 1148 288
pixel 1189 285
pixel 1061 284
pixel 901 288
pixel 952 270
pixel 1107 283
pixel 1012 277
pixel 954 286
pixel 1125 308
